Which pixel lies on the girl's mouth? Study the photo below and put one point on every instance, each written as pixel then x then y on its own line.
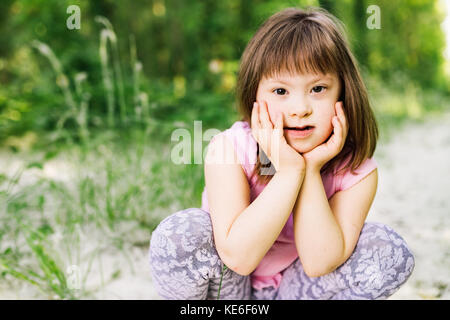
pixel 299 128
pixel 296 132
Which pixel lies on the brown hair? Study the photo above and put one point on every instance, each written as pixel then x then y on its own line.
pixel 309 41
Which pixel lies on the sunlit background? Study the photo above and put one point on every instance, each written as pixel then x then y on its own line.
pixel 87 116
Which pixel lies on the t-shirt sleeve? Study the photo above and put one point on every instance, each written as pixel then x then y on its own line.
pixel 347 179
pixel 244 145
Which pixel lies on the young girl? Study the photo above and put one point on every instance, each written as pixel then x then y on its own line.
pixel 289 186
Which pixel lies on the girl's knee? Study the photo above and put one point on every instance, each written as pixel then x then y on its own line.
pixel 182 255
pixel 382 261
pixel 183 231
pixel 381 238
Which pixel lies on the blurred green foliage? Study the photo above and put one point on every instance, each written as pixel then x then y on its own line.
pixel 178 60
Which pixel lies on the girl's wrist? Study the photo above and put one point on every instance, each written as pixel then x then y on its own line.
pixel 312 169
pixel 293 174
pixel 300 170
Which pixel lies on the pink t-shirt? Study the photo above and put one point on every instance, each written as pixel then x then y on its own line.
pixel 283 252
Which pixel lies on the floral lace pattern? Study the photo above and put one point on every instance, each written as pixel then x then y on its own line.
pixel 184 264
pixel 379 265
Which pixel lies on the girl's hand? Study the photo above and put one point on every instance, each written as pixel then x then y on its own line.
pixel 272 141
pixel 320 155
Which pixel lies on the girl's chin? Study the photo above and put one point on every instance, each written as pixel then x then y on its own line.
pixel 301 148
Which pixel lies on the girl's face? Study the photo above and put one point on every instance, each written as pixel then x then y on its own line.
pixel 302 100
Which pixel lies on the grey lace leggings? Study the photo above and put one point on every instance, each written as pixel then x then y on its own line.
pixel 184 264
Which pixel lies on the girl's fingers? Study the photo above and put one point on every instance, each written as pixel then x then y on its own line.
pixel 259 121
pixel 341 115
pixel 269 134
pixel 276 139
pixel 261 128
pixel 258 114
pixel 264 115
pixel 337 126
pixel 278 125
pixel 264 130
pixel 338 135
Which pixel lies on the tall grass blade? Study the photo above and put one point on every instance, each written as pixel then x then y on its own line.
pixel 106 75
pixel 116 65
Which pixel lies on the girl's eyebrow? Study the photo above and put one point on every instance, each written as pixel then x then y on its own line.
pixel 286 82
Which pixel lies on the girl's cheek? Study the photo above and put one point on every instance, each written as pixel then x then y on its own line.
pixel 274 115
pixel 330 113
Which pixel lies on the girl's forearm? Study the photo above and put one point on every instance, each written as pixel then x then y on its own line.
pixel 318 236
pixel 255 230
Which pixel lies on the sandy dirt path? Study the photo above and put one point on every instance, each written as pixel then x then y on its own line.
pixel 413 198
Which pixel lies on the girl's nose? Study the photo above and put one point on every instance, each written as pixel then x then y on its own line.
pixel 299 109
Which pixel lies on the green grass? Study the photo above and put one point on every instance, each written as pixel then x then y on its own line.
pixel 121 186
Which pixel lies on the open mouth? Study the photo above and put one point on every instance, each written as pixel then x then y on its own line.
pixel 299 132
pixel 300 128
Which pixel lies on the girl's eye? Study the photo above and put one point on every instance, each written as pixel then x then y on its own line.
pixel 280 91
pixel 318 89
